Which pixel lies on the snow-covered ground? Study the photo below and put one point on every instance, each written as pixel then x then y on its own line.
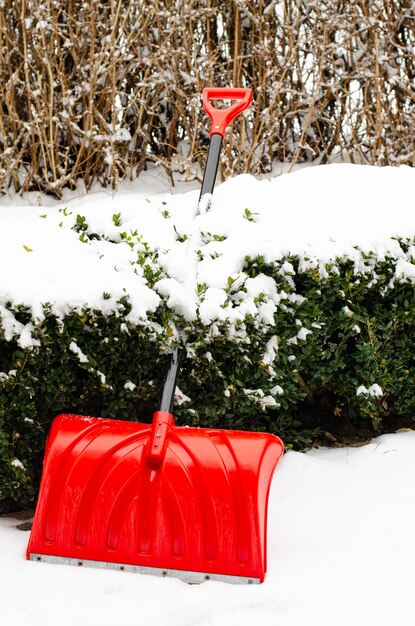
pixel 341 551
pixel 341 522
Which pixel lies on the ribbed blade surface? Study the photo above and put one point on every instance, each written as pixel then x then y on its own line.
pixel 203 510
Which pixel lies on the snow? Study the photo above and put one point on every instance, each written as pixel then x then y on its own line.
pixel 341 543
pixel 341 550
pixel 319 214
pixel 17 463
pixel 73 347
pixel 180 397
pixel 271 350
pixel 374 390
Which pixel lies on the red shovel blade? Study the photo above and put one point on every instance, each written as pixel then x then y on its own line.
pixel 108 497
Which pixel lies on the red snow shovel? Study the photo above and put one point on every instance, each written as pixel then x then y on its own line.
pixel 159 499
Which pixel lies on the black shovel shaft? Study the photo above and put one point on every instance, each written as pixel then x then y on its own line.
pixel 169 386
pixel 208 184
pixel 212 164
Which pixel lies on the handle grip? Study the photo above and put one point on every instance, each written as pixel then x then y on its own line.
pixel 222 117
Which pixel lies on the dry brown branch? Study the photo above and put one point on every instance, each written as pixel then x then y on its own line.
pixel 96 89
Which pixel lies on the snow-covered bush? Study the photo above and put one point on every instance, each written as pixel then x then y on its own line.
pixel 269 336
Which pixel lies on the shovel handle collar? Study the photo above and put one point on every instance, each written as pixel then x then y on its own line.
pixel 221 118
pixel 162 422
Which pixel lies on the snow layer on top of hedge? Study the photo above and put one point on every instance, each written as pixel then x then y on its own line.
pixel 86 253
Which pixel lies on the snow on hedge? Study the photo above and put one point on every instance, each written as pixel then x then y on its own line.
pixel 92 251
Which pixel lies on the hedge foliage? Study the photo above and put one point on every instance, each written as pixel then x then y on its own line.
pixel 95 90
pixel 341 342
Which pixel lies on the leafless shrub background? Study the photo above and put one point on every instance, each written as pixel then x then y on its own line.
pixel 96 89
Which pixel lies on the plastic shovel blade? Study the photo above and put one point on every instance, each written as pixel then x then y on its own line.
pixel 200 509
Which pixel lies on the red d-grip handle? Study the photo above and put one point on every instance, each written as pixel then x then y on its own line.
pixel 222 117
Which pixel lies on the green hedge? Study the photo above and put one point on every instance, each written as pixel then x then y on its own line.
pixel 341 341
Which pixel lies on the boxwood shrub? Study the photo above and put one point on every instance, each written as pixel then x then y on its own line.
pixel 340 342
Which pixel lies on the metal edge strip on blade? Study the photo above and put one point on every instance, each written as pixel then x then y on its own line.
pixel 184 575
